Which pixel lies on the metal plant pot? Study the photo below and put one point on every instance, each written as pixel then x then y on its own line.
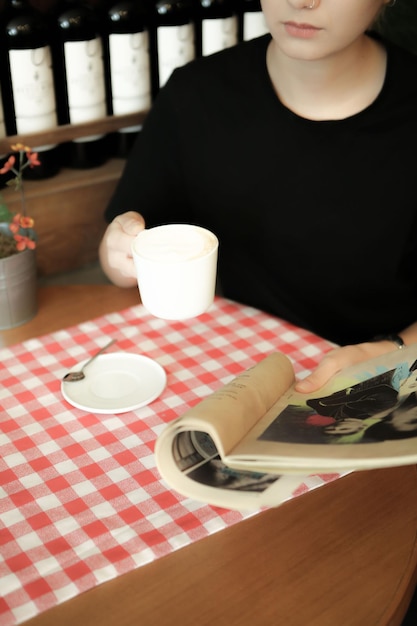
pixel 18 289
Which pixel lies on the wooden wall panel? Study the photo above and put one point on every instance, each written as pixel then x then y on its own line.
pixel 68 213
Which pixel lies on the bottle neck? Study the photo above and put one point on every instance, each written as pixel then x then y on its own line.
pixel 24 26
pixel 19 5
pixel 126 16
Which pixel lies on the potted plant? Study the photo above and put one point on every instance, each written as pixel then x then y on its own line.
pixel 18 276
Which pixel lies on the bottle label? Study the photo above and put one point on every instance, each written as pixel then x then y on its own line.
pixel 85 80
pixel 218 34
pixel 130 72
pixel 33 89
pixel 254 25
pixel 175 48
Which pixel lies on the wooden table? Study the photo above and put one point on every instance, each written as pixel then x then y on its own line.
pixel 345 554
pixel 63 306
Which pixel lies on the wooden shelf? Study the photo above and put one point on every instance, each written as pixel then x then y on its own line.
pixel 62 134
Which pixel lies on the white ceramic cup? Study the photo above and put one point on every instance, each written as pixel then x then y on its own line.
pixel 176 266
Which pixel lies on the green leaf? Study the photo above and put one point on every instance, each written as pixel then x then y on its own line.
pixel 5 214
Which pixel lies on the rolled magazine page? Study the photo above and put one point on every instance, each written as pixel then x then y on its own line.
pixel 189 450
pixel 195 473
pixel 231 411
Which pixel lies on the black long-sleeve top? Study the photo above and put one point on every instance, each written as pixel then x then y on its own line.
pixel 316 219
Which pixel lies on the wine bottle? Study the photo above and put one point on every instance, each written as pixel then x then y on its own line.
pixel 253 20
pixel 27 81
pixel 174 23
pixel 127 65
pixel 79 76
pixel 217 26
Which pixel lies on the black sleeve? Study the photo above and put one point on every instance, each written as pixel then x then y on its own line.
pixel 152 182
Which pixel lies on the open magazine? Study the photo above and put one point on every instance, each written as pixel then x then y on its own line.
pixel 252 441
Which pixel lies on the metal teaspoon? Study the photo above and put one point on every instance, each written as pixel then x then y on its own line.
pixel 75 376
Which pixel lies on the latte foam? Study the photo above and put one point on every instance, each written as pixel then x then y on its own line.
pixel 174 243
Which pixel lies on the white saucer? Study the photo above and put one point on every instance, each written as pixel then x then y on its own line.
pixel 116 383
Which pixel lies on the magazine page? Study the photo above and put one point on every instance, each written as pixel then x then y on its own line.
pixel 189 450
pixel 195 470
pixel 365 417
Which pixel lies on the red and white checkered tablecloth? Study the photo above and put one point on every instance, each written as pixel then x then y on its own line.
pixel 81 500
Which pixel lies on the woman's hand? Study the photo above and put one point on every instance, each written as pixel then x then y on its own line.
pixel 115 248
pixel 339 358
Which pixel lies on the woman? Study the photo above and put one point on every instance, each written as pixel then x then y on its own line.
pixel 297 150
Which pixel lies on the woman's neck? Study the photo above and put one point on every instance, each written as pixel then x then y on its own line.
pixel 333 88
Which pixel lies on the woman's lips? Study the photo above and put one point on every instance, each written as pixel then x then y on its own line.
pixel 303 31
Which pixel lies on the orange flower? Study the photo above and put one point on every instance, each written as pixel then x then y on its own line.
pixel 20 242
pixel 20 147
pixel 8 165
pixel 26 222
pixel 20 225
pixel 23 221
pixel 24 242
pixel 32 157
